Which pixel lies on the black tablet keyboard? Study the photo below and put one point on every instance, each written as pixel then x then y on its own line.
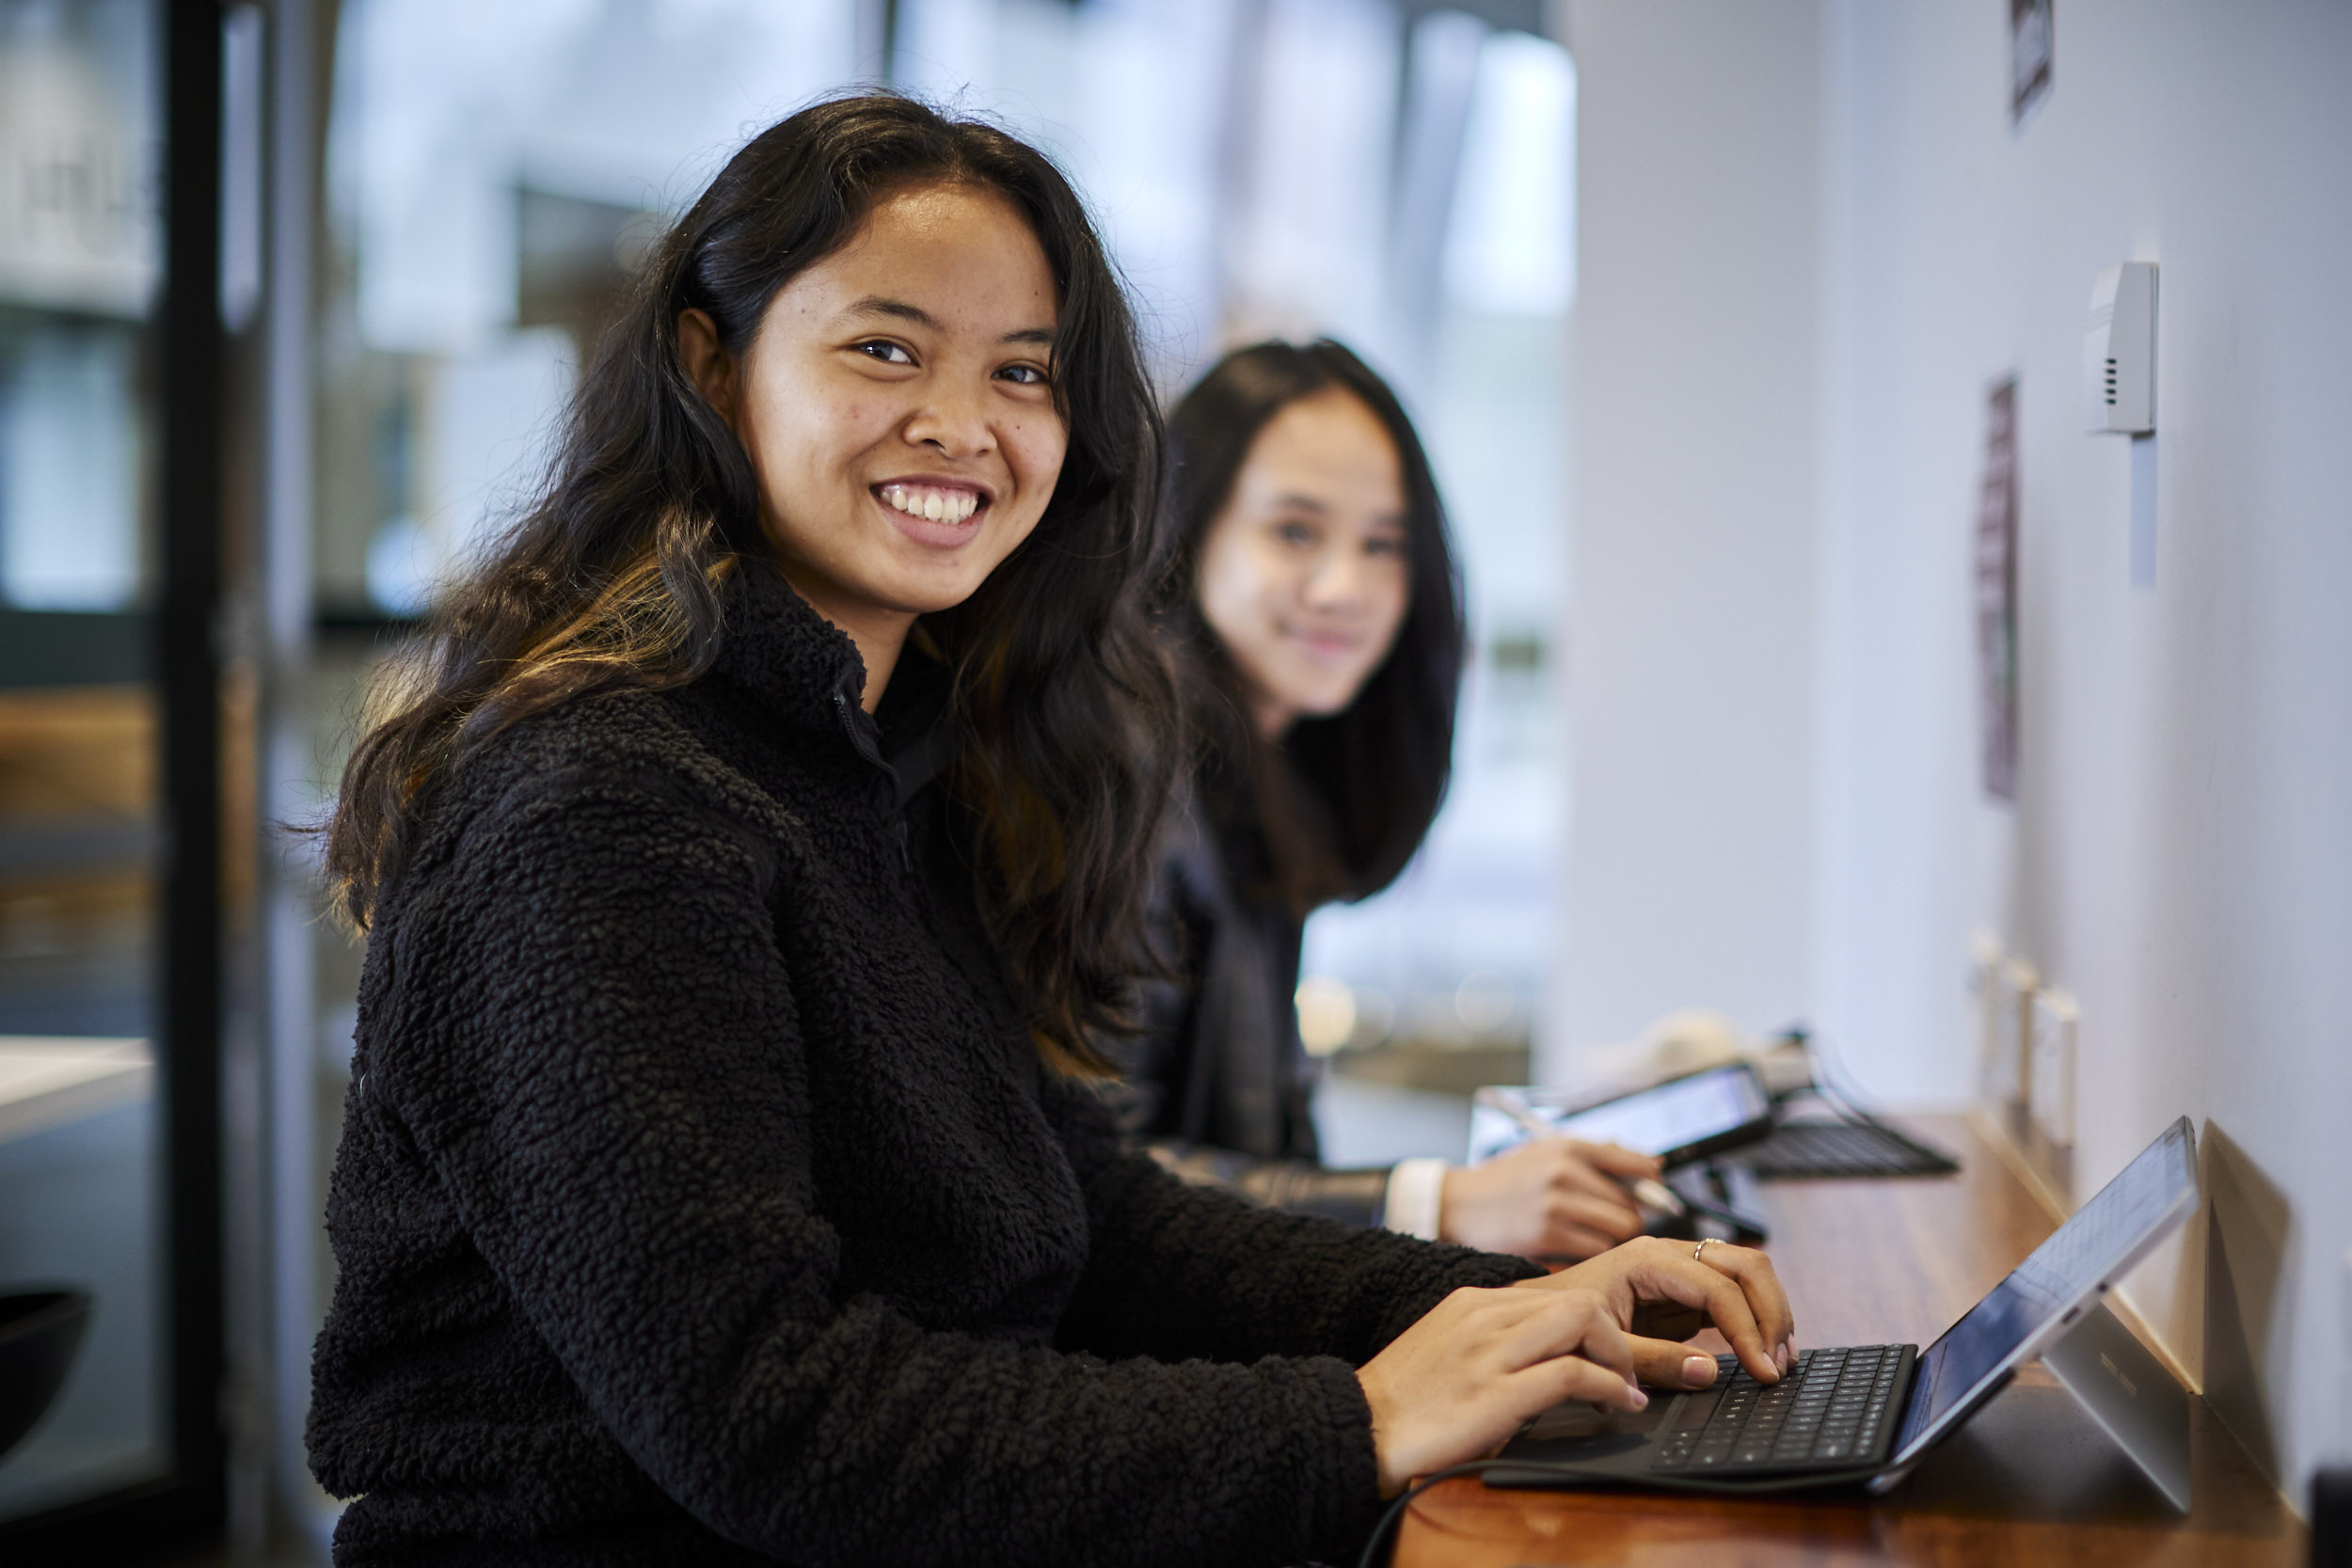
pixel 1836 1409
pixel 1835 1148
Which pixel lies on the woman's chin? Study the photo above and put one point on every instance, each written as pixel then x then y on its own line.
pixel 933 587
pixel 1325 701
pixel 939 570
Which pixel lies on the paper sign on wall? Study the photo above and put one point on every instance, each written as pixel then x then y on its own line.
pixel 1996 593
pixel 2028 56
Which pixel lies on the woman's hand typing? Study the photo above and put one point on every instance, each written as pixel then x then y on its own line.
pixel 1660 1294
pixel 1462 1379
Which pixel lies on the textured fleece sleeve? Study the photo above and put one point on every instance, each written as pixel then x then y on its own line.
pixel 615 1102
pixel 1358 1196
pixel 1198 1271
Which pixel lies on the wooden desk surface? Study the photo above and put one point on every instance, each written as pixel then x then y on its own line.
pixel 2029 1480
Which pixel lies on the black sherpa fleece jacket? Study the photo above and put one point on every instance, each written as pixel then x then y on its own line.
pixel 701 1199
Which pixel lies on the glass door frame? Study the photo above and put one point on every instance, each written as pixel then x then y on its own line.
pixel 185 1507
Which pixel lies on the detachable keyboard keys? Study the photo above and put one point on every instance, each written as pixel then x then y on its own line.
pixel 1830 1409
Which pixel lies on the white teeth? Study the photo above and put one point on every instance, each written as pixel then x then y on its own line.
pixel 934 505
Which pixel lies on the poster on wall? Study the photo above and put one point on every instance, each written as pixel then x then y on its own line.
pixel 2028 56
pixel 1997 592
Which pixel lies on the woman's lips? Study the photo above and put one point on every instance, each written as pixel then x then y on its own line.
pixel 1326 646
pixel 939 515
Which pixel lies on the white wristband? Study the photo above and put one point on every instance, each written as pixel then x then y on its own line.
pixel 1416 1197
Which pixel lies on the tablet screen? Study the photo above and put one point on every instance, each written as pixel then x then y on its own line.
pixel 1673 1115
pixel 2106 1236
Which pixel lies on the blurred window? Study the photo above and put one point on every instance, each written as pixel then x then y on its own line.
pixel 1447 969
pixel 80 238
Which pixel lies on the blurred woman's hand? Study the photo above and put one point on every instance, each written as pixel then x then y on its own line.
pixel 1654 1287
pixel 1549 1198
pixel 1459 1382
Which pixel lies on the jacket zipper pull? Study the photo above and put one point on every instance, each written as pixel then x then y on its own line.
pixel 906 857
pixel 861 736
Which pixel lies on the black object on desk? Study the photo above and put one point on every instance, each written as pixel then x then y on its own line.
pixel 1719 1201
pixel 2331 1518
pixel 39 1331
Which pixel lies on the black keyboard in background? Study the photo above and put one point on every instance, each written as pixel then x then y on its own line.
pixel 1836 1408
pixel 1841 1148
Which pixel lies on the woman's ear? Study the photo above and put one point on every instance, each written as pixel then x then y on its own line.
pixel 710 367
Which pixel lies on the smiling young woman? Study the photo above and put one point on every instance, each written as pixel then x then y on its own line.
pixel 897 413
pixel 750 854
pixel 1316 590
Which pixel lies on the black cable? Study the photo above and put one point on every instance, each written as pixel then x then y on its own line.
pixel 1396 1510
pixel 1842 1101
pixel 1828 1070
pixel 1830 1087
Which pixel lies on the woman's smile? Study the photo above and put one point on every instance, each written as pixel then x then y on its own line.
pixel 1325 644
pixel 941 513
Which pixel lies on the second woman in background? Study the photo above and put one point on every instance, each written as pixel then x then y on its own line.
pixel 1316 592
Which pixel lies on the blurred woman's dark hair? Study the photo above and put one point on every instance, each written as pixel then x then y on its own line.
pixel 614 577
pixel 1344 800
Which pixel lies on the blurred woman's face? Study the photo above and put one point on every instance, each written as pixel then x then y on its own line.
pixel 898 408
pixel 1304 576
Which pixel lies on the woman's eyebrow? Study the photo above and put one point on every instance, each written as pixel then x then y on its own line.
pixel 876 304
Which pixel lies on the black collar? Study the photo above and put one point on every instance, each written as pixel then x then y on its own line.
pixel 805 670
pixel 789 657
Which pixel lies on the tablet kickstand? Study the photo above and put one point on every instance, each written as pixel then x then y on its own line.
pixel 2132 1396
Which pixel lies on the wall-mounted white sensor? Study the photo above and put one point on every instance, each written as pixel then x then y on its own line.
pixel 2119 351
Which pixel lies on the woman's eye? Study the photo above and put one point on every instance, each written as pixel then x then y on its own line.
pixel 1393 546
pixel 888 353
pixel 1026 375
pixel 1294 534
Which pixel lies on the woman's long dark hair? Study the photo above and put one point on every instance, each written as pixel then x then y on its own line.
pixel 616 575
pixel 1343 800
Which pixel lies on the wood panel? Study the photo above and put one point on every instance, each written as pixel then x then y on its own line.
pixel 2030 1480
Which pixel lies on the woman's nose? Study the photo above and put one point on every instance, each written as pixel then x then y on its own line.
pixel 954 421
pixel 1336 580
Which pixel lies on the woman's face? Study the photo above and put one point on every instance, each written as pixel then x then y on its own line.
pixel 896 407
pixel 1303 574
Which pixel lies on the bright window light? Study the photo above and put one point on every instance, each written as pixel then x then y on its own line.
pixel 1511 244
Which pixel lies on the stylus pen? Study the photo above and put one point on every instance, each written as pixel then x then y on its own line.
pixel 1646 1189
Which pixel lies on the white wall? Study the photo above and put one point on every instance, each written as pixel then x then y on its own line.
pixel 1780 440
pixel 1690 585
pixel 2180 854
